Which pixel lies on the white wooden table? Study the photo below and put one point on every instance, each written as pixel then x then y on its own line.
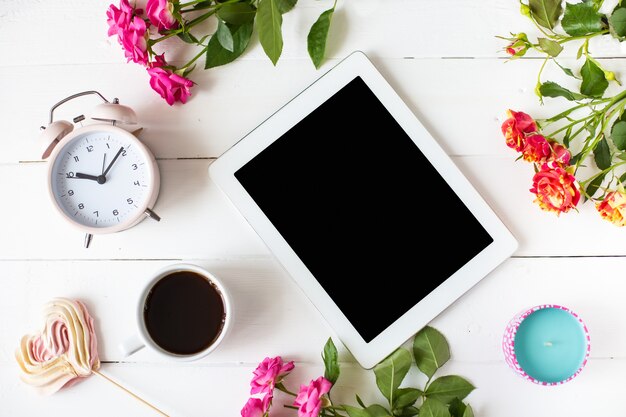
pixel 443 59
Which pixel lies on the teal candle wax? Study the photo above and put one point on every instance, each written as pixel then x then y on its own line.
pixel 551 345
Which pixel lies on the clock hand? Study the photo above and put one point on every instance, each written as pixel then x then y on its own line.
pixel 106 171
pixel 85 176
pixel 103 161
pixel 99 178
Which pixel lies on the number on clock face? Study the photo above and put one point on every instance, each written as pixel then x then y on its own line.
pixel 88 196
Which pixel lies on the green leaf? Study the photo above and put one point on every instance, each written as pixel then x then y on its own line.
pixel 594 82
pixel 618 134
pixel 224 36
pixel 406 397
pixel 216 55
pixel 431 350
pixel 594 185
pixel 574 159
pixel 552 89
pixel 331 361
pixel 433 408
pixel 188 70
pixel 590 127
pixel 285 5
pixel 203 4
pixel 447 388
pixel 622 179
pixel 579 53
pixel 237 13
pixel 602 154
pixel 546 12
pixel 457 408
pixel 567 136
pixel 390 373
pixel 550 47
pixel 407 412
pixel 318 35
pixel 269 21
pixel 566 70
pixel 359 400
pixel 595 3
pixel 356 412
pixel 376 410
pixel 187 38
pixel 617 21
pixel 581 19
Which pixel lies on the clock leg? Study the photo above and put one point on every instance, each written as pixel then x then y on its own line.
pixel 152 215
pixel 88 238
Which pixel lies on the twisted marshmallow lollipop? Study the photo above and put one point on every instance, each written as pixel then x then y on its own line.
pixel 66 350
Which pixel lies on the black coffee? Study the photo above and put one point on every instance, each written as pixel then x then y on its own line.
pixel 184 313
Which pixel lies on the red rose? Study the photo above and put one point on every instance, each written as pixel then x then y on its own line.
pixel 613 208
pixel 516 128
pixel 541 150
pixel 556 189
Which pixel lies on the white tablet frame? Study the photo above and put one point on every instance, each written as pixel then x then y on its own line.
pixel 223 169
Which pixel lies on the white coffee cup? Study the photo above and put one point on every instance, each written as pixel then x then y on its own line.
pixel 168 278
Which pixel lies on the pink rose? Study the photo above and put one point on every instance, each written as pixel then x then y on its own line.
pixel 119 19
pixel 134 40
pixel 310 399
pixel 270 372
pixel 161 14
pixel 253 408
pixel 171 86
pixel 556 189
pixel 613 208
pixel 131 31
pixel 518 46
pixel 516 128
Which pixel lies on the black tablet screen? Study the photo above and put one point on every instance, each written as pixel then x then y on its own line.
pixel 363 208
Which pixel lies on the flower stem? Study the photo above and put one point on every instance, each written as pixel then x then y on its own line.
pixel 603 172
pixel 574 123
pixel 164 37
pixel 195 58
pixel 586 37
pixel 284 389
pixel 201 18
pixel 195 21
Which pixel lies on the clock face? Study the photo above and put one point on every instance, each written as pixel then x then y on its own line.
pixel 102 178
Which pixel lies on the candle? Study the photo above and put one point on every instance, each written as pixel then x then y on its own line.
pixel 547 344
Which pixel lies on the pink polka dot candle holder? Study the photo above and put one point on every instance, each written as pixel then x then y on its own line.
pixel 547 344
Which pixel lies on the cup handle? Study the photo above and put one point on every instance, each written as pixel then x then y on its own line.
pixel 131 345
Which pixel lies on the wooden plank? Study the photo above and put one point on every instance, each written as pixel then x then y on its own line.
pixel 273 317
pixel 462 102
pixel 262 294
pixel 199 222
pixel 395 28
pixel 392 29
pixel 218 391
pixel 505 186
pixel 196 220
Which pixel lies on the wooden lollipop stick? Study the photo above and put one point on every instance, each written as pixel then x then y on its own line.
pixel 130 393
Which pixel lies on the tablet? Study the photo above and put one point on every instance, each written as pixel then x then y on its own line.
pixel 363 209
